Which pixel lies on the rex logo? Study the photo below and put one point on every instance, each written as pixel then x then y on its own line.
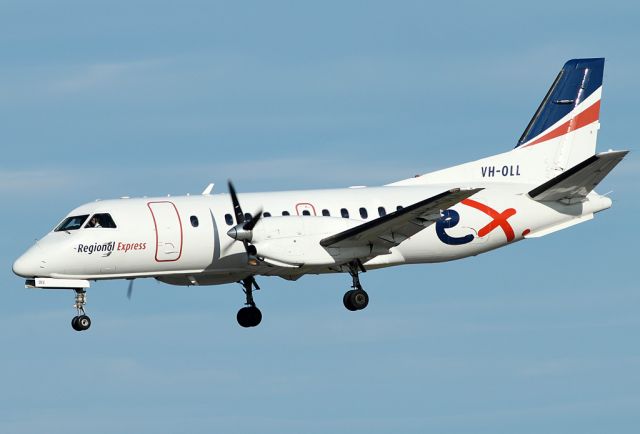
pixel 451 218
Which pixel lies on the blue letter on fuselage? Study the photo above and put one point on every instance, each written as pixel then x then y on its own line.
pixel 449 219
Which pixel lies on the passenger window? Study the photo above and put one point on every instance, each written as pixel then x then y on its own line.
pixel 266 214
pixel 399 207
pixel 285 212
pixel 194 221
pixel 381 211
pixel 306 212
pixel 345 213
pixel 229 219
pixel 326 213
pixel 101 221
pixel 363 213
pixel 71 223
pixel 247 217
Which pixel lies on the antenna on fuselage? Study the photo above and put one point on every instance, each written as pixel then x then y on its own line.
pixel 207 191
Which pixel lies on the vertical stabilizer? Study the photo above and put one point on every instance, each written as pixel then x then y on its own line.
pixel 567 121
pixel 561 134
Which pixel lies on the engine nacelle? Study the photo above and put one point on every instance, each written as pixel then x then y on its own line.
pixel 295 240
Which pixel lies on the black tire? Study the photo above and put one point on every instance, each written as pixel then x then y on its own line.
pixel 255 315
pixel 359 299
pixel 74 324
pixel 346 300
pixel 244 317
pixel 83 322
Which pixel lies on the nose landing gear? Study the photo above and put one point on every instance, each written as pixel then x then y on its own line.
pixel 80 322
pixel 250 315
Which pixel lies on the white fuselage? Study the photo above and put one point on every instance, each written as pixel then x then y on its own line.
pixel 183 240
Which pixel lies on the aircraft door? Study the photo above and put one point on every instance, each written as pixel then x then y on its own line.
pixel 305 209
pixel 168 229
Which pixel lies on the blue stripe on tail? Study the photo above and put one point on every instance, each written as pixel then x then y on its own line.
pixel 578 79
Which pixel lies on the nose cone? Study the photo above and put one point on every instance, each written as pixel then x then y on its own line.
pixel 26 265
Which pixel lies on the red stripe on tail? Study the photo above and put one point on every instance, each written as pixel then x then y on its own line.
pixel 585 118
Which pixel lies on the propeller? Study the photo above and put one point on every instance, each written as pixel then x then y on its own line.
pixel 130 289
pixel 242 231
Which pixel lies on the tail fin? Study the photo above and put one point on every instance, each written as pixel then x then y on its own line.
pixel 567 118
pixel 561 134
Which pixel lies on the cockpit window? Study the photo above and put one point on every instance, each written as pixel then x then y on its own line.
pixel 101 221
pixel 72 223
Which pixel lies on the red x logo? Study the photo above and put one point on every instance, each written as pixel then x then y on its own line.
pixel 499 219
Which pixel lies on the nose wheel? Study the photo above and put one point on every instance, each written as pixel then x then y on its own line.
pixel 356 298
pixel 250 315
pixel 81 321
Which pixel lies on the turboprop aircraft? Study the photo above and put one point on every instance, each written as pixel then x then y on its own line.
pixel 546 183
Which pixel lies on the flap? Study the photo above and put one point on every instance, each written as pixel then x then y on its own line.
pixel 392 229
pixel 578 181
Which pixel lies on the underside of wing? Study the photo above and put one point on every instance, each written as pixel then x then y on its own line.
pixel 392 229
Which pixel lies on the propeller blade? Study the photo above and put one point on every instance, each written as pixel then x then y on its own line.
pixel 248 226
pixel 236 204
pixel 242 230
pixel 130 289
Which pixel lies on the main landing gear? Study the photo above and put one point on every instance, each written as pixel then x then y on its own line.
pixel 250 315
pixel 80 322
pixel 356 298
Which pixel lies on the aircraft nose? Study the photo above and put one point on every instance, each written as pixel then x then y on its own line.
pixel 26 266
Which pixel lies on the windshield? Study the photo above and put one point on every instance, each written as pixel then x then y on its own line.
pixel 103 220
pixel 72 223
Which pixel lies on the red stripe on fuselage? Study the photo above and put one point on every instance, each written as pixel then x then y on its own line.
pixel 588 116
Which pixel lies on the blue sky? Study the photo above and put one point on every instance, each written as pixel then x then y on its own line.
pixel 101 100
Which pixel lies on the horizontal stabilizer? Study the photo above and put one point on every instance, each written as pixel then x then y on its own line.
pixel 577 182
pixel 392 229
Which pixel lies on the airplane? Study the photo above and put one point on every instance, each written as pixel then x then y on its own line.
pixel 543 185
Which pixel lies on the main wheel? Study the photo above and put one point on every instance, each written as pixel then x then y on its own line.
pixel 243 317
pixel 359 299
pixel 249 316
pixel 346 300
pixel 83 322
pixel 256 316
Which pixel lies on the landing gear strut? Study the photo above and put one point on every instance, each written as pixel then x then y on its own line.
pixel 250 315
pixel 81 321
pixel 356 298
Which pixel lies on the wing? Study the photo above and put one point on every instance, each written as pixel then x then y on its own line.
pixel 577 182
pixel 392 229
